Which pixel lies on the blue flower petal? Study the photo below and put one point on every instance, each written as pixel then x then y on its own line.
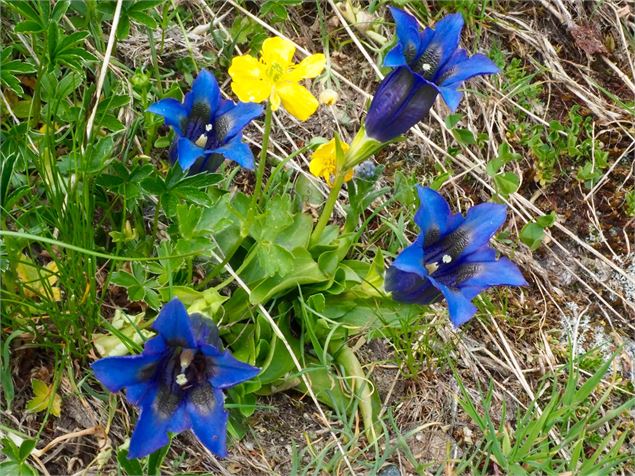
pixel 235 119
pixel 237 151
pixel 481 222
pixel 228 371
pixel 116 373
pixel 174 113
pixel 205 330
pixel 210 162
pixel 408 35
pixel 135 394
pixel 460 307
pixel 187 152
pixel 425 37
pixel 205 90
pixel 409 288
pixel 161 412
pixel 173 324
pixel 445 41
pixel 410 259
pixel 451 97
pixel 483 254
pixel 223 106
pixel 434 217
pixel 207 413
pixel 395 57
pixel 155 345
pixel 467 68
pixel 402 99
pixel 495 273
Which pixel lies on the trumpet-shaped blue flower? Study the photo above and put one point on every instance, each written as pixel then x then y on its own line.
pixel 426 63
pixel 451 258
pixel 402 99
pixel 177 381
pixel 208 128
pixel 434 54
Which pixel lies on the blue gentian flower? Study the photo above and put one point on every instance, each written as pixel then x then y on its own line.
pixel 434 54
pixel 451 258
pixel 177 381
pixel 426 63
pixel 208 128
pixel 402 99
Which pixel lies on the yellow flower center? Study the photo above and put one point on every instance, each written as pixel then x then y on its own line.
pixel 275 71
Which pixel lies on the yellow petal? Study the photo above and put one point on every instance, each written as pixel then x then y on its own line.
pixel 318 166
pixel 309 67
pixel 297 100
pixel 348 176
pixel 279 51
pixel 275 100
pixel 249 79
pixel 325 151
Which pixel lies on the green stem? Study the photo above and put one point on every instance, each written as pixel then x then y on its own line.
pixel 97 254
pixel 328 206
pixel 155 222
pixel 36 103
pixel 345 357
pixel 262 160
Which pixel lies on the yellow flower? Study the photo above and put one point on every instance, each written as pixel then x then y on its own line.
pixel 323 162
pixel 276 77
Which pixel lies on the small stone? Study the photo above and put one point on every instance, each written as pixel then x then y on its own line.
pixel 390 470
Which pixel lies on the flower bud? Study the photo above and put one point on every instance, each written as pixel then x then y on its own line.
pixel 328 97
pixel 367 170
pixel 140 80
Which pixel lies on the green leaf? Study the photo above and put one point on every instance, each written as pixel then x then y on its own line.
pixel 130 466
pixel 507 183
pixel 273 259
pixel 10 449
pixel 304 270
pixel 143 18
pixel 464 136
pixel 532 235
pixel 452 120
pixel 60 8
pixel 188 216
pixel 124 279
pixel 26 448
pixel 29 26
pixel 547 220
pixel 277 217
pixel 43 394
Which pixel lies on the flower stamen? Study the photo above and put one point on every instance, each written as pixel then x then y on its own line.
pixel 432 267
pixel 202 140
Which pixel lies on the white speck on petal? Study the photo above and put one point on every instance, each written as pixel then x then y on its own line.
pixel 446 259
pixel 208 127
pixel 426 67
pixel 181 379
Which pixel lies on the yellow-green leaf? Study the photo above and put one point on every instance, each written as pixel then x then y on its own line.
pixel 42 395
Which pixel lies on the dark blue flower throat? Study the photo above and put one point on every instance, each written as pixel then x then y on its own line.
pixel 451 258
pixel 208 128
